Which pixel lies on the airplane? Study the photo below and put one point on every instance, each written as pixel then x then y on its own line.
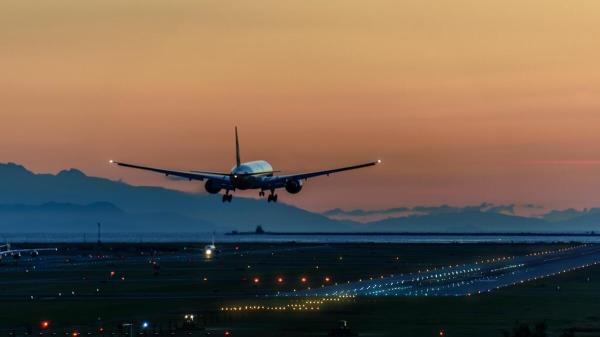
pixel 257 174
pixel 210 250
pixel 16 253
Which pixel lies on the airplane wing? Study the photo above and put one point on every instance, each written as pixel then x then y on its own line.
pixel 222 178
pixel 279 181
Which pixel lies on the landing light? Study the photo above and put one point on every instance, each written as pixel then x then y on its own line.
pixel 208 252
pixel 378 161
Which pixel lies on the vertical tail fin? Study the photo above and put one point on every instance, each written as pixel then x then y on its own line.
pixel 237 148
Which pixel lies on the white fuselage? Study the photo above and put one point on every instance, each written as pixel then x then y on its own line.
pixel 248 175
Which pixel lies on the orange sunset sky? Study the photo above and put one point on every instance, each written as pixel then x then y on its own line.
pixel 465 101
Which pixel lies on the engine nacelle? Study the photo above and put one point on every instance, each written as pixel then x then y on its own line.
pixel 293 186
pixel 212 187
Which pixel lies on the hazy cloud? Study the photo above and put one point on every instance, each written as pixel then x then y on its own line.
pixel 509 209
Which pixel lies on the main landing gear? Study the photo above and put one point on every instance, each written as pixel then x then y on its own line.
pixel 227 197
pixel 272 197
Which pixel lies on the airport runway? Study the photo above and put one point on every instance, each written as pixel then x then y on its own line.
pixel 467 279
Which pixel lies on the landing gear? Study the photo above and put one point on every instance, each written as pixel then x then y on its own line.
pixel 272 197
pixel 227 197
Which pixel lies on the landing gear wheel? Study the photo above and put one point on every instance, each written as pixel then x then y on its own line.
pixel 261 193
pixel 227 197
pixel 272 198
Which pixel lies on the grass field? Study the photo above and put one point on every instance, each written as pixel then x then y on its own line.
pixel 188 283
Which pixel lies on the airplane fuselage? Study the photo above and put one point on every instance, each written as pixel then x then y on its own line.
pixel 249 175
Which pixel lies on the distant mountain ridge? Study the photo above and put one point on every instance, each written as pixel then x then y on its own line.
pixel 67 217
pixel 485 217
pixel 59 207
pixel 200 212
pixel 72 201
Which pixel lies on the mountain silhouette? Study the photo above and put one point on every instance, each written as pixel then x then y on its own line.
pixel 72 201
pixel 75 192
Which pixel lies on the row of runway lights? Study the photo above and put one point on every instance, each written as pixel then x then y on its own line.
pixel 557 251
pixel 371 289
pixel 433 277
pixel 280 280
pixel 308 305
pixel 289 307
pixel 542 276
pixel 425 292
pixel 455 273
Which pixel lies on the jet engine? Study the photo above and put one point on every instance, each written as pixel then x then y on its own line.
pixel 212 187
pixel 293 186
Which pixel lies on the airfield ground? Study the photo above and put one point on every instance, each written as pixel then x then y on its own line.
pixel 93 290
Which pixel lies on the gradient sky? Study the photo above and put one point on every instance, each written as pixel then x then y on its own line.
pixel 465 101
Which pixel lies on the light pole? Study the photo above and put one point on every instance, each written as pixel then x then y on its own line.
pixel 99 233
